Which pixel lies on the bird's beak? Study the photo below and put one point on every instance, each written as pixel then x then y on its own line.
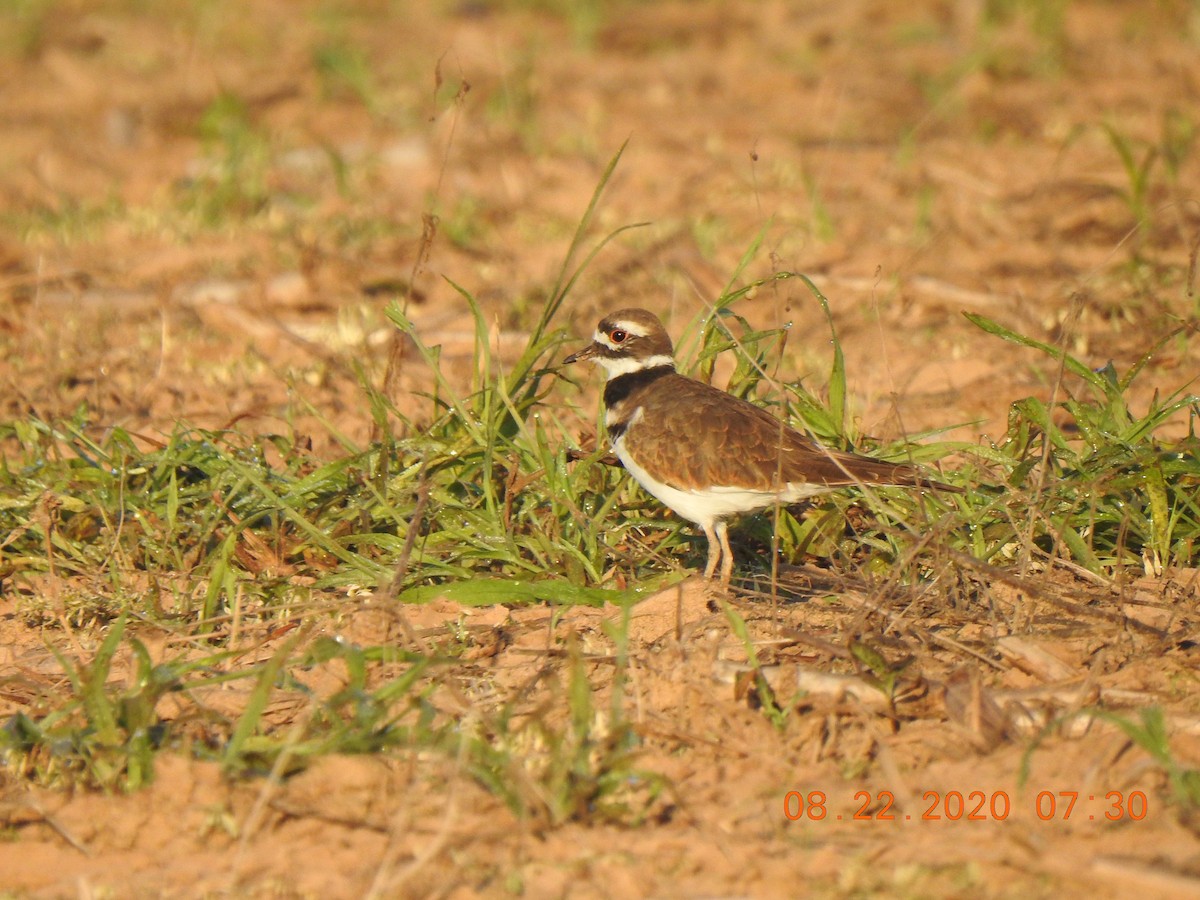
pixel 579 356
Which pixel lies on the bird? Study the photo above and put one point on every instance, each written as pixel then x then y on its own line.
pixel 703 452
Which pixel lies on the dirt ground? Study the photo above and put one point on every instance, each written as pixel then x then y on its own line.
pixel 204 210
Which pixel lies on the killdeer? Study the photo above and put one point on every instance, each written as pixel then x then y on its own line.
pixel 706 454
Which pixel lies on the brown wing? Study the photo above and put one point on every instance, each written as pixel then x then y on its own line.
pixel 693 435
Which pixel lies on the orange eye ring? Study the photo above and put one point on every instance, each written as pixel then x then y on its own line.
pixel 617 336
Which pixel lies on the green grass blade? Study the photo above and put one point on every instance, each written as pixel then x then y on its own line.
pixel 1072 365
pixel 489 591
pixel 564 281
pixel 96 701
pixel 256 704
pixel 837 369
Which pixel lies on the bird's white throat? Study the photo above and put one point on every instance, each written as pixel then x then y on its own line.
pixel 614 367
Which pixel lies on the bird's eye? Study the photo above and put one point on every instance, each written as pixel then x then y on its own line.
pixel 618 336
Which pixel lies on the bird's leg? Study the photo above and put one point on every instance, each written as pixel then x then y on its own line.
pixel 726 554
pixel 714 548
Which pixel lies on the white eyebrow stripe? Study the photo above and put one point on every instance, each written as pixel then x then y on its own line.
pixel 631 328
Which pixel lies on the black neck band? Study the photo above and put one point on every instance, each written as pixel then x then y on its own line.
pixel 622 386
